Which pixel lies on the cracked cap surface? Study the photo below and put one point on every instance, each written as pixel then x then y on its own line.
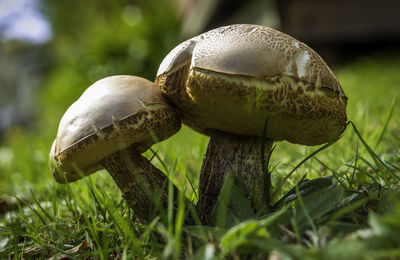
pixel 112 114
pixel 236 78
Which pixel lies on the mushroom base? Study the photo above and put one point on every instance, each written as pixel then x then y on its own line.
pixel 143 186
pixel 237 155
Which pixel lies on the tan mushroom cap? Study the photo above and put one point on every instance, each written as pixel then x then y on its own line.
pixel 237 77
pixel 112 114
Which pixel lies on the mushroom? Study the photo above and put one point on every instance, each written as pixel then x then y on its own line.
pixel 109 126
pixel 231 82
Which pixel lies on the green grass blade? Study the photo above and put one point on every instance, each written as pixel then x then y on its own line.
pixel 35 211
pixel 305 211
pixel 283 181
pixel 193 189
pixel 387 120
pixel 179 221
pixel 378 162
pixel 343 211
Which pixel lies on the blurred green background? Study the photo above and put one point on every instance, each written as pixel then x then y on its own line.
pixel 86 41
pixel 52 50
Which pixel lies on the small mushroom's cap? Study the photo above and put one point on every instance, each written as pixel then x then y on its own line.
pixel 112 114
pixel 236 78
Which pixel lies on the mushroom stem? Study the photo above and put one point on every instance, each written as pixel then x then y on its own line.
pixel 237 155
pixel 143 186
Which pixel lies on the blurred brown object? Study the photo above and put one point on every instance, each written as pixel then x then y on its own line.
pixel 200 16
pixel 338 30
pixel 340 21
pixel 7 205
pixel 332 21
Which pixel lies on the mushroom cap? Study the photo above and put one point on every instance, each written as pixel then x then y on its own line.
pixel 239 78
pixel 112 114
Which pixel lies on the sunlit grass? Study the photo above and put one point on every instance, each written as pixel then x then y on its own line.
pixel 89 217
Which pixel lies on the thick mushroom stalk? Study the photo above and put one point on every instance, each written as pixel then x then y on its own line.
pixel 109 126
pixel 240 156
pixel 143 186
pixel 228 82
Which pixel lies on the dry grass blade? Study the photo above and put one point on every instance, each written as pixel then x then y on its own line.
pixel 73 251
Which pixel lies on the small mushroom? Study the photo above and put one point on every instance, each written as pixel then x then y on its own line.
pixel 231 82
pixel 109 126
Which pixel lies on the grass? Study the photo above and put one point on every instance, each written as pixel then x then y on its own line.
pixel 340 203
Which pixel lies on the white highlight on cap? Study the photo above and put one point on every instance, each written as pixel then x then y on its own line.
pixel 252 30
pixel 173 61
pixel 301 62
pixel 288 70
pixel 97 131
pixel 142 103
pixel 115 122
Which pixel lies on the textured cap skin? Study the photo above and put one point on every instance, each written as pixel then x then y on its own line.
pixel 235 78
pixel 112 114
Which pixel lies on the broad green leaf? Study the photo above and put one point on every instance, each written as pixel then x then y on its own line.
pixel 318 203
pixel 232 205
pixel 256 229
pixel 238 235
pixel 308 186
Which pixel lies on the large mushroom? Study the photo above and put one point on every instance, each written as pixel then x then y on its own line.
pixel 231 82
pixel 109 126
